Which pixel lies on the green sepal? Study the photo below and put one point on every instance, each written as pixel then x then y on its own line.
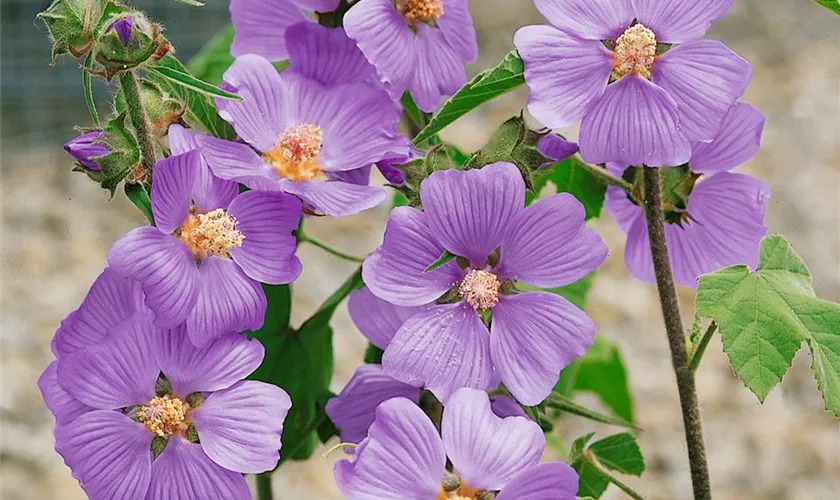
pixel 158 445
pixel 162 386
pixel 72 25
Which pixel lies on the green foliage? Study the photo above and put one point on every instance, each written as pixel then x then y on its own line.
pixel 764 316
pixel 560 402
pixel 832 5
pixel 186 80
pixel 373 355
pixel 576 292
pixel 72 25
pixel 486 85
pixel 214 58
pixel 161 109
pixel 445 258
pixel 191 3
pixel 87 86
pixel 618 453
pixel 140 197
pixel 123 158
pixel 114 57
pixel 570 176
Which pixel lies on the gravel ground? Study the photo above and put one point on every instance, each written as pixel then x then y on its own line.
pixel 57 228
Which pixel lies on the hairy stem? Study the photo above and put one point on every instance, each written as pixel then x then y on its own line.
pixel 264 486
pixel 606 177
pixel 676 337
pixel 623 487
pixel 332 251
pixel 697 355
pixel 137 116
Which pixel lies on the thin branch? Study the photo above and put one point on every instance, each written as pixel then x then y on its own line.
pixel 697 355
pixel 264 491
pixel 323 246
pixel 601 469
pixel 606 177
pixel 137 116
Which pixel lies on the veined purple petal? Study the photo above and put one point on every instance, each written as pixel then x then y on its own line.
pixel 208 191
pixel 442 349
pixel 556 148
pixel 335 198
pixel 485 450
pixel 227 301
pixel 396 272
pixel 533 336
pixel 181 140
pixel 679 21
pixel 504 406
pixel 738 139
pixel 600 20
pixel 470 211
pixel 635 122
pixel 353 410
pixel 216 366
pixel 61 404
pixel 238 162
pixel 390 172
pixel 456 24
pixel 439 72
pixel 259 26
pixel 621 208
pixel 377 319
pixel 402 458
pixel 317 5
pixel 84 149
pixel 327 55
pixel 183 470
pixel 108 453
pixel 550 245
pixel 548 480
pixel 240 427
pixel 564 73
pixel 173 181
pixel 704 78
pixel 360 176
pixel 124 28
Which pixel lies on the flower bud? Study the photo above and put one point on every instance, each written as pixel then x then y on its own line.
pixel 121 160
pixel 161 109
pixel 86 148
pixel 128 40
pixel 124 28
pixel 72 25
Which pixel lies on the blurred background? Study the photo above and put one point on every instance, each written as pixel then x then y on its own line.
pixel 57 227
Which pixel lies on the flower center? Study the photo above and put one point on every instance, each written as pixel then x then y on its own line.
pixel 211 233
pixel 164 416
pixel 480 289
pixel 635 51
pixel 420 11
pixel 462 492
pixel 296 155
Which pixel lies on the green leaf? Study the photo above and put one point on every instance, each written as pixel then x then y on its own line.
pixel 486 85
pixel 445 258
pixel 576 292
pixel 140 197
pixel 560 402
pixel 373 355
pixel 214 58
pixel 570 177
pixel 417 117
pixel 832 5
pixel 191 3
pixel 186 80
pixel 620 453
pixel 764 316
pixel 88 88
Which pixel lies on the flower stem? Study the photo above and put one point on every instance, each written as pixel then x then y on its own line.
pixel 264 486
pixel 606 177
pixel 676 337
pixel 600 468
pixel 341 255
pixel 697 355
pixel 137 116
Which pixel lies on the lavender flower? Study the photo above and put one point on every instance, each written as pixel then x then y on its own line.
pixel 210 249
pixel 303 136
pixel 124 28
pixel 404 457
pixel 416 45
pixel 84 149
pixel 723 222
pixel 140 389
pixel 557 148
pixel 611 65
pixel 327 55
pixel 478 215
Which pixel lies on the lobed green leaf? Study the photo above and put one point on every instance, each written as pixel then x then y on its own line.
pixel 570 177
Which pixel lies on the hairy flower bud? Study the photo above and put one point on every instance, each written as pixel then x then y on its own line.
pixel 161 108
pixel 128 40
pixel 86 148
pixel 72 25
pixel 120 161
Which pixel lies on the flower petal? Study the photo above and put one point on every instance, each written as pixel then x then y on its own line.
pixel 259 26
pixel 637 255
pixel 634 122
pixel 679 21
pixel 704 78
pixel 439 72
pixel 117 372
pixel 227 301
pixel 238 162
pixel 61 404
pixel 240 427
pixel 402 458
pixel 549 480
pixel 353 410
pixel 317 5
pixel 216 366
pixel 441 349
pixel 183 470
pixel 533 336
pixel 108 453
pixel 396 270
pixel 564 73
pixel 601 20
pixel 327 55
pixel 550 245
pixel 336 198
pixel 173 181
pixel 208 191
pixel 556 148
pixel 485 450
pixel 457 27
pixel 738 139
pixel 259 117
pixel 469 211
pixel 378 320
pixel 266 220
pixel 181 140
pixel 620 208
pixel 164 266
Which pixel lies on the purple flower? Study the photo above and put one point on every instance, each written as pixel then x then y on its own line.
pixel 210 249
pixel 723 222
pixel 84 149
pixel 327 55
pixel 557 148
pixel 124 27
pixel 303 136
pixel 416 45
pixel 261 24
pixel 478 215
pixel 142 413
pixel 602 63
pixel 404 457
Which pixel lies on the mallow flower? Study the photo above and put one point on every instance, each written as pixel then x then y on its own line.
pixel 634 73
pixel 416 45
pixel 303 136
pixel 721 224
pixel 477 327
pixel 203 261
pixel 142 413
pixel 404 458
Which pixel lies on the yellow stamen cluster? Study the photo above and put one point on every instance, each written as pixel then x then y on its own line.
pixel 463 492
pixel 211 233
pixel 296 155
pixel 635 51
pixel 480 289
pixel 421 11
pixel 164 416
